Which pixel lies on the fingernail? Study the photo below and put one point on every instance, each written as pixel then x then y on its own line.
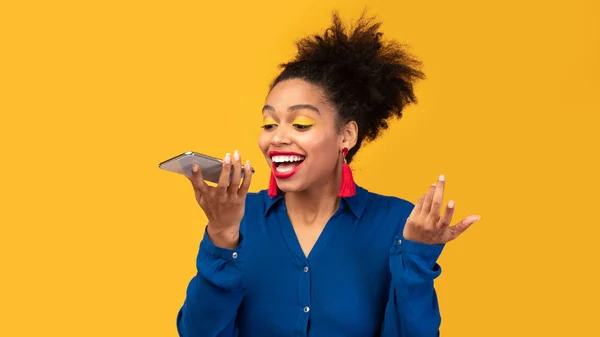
pixel 451 204
pixel 475 217
pixel 228 158
pixel 236 155
pixel 194 168
pixel 441 178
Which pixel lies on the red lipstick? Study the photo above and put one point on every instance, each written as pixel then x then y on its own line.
pixel 284 153
pixel 284 175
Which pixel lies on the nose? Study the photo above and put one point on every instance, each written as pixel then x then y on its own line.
pixel 280 137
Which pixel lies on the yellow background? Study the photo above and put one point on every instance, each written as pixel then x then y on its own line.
pixel 95 240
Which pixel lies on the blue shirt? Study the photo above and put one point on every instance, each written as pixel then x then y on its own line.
pixel 361 279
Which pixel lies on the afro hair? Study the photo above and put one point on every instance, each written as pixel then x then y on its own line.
pixel 368 80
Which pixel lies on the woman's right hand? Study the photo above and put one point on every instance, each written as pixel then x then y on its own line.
pixel 223 204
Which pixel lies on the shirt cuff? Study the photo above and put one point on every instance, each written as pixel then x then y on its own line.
pixel 220 267
pixel 401 245
pixel 207 247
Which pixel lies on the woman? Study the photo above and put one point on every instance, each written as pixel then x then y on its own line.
pixel 315 254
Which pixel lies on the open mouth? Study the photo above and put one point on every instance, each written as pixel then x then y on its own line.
pixel 286 164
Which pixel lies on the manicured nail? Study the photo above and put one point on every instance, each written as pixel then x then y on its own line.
pixel 441 178
pixel 451 204
pixel 228 158
pixel 194 168
pixel 247 165
pixel 475 217
pixel 236 156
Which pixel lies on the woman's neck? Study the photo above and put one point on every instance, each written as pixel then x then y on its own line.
pixel 315 203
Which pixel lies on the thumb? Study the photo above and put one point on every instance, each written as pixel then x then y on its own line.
pixel 462 226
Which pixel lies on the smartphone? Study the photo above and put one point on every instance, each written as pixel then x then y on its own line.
pixel 210 166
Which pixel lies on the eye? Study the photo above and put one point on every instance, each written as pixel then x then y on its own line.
pixel 302 127
pixel 268 127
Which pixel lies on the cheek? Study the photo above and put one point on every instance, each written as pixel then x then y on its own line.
pixel 263 141
pixel 323 148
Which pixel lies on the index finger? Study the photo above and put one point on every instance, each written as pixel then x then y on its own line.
pixel 428 198
pixel 198 180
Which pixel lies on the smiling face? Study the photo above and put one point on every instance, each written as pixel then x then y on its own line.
pixel 301 141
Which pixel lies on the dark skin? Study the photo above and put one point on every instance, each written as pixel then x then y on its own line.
pixel 311 195
pixel 224 204
pixel 224 207
pixel 426 225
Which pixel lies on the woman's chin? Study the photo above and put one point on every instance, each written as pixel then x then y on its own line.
pixel 289 186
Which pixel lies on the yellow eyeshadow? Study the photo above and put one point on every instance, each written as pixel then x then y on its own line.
pixel 269 120
pixel 304 121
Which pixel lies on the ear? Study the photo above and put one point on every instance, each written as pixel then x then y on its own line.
pixel 349 135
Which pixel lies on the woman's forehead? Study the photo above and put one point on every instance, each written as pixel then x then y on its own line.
pixel 293 92
pixel 294 95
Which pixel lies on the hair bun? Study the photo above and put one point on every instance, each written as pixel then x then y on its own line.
pixel 368 80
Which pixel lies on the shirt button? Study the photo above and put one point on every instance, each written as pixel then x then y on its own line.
pixel 234 255
pixel 306 309
pixel 399 242
pixel 306 269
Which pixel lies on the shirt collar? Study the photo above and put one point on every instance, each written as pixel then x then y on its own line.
pixel 270 202
pixel 355 203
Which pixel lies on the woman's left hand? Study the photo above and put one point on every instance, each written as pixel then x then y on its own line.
pixel 425 225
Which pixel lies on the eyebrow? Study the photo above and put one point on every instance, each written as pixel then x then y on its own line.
pixel 295 107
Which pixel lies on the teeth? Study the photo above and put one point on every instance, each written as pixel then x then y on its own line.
pixel 283 159
pixel 284 169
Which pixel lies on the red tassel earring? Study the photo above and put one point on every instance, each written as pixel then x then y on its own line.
pixel 273 191
pixel 347 187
